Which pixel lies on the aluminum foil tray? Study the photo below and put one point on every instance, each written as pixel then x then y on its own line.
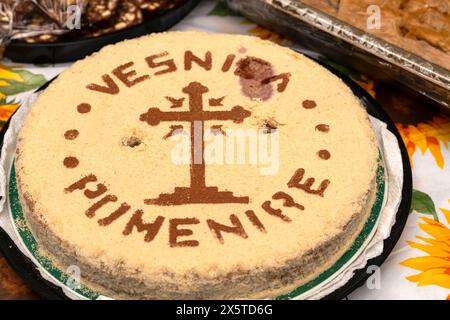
pixel 328 38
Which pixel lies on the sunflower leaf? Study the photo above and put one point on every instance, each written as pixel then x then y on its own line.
pixel 30 81
pixel 422 203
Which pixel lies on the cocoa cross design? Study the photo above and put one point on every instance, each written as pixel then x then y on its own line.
pixel 198 192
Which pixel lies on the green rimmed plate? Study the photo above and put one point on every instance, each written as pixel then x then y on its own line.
pixel 65 279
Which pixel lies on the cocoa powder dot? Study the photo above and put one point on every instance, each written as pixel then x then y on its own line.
pixel 71 162
pixel 84 107
pixel 323 128
pixel 324 154
pixel 309 104
pixel 71 134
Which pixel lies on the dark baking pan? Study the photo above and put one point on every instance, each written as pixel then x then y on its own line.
pixel 67 51
pixel 328 38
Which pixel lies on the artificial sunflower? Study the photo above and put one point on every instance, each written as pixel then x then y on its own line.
pixel 6 73
pixel 435 267
pixel 427 136
pixel 6 110
pixel 263 33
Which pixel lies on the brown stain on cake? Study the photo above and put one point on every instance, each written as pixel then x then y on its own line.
pixel 71 134
pixel 84 108
pixel 71 162
pixel 323 128
pixel 309 104
pixel 324 154
pixel 252 72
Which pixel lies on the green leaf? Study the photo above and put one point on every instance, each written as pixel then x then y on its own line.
pixel 422 203
pixel 31 81
pixel 222 10
pixel 5 102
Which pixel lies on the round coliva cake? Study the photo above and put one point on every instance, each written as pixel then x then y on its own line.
pixel 189 165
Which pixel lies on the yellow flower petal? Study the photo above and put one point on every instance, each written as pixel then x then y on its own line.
pixel 265 34
pixel 434 251
pixel 410 148
pixel 427 136
pixel 446 213
pixel 7 110
pixel 441 244
pixel 402 132
pixel 427 129
pixel 438 277
pixel 368 85
pixel 421 275
pixel 442 127
pixel 6 74
pixel 435 229
pixel 435 149
pixel 437 280
pixel 426 263
pixel 3 83
pixel 418 138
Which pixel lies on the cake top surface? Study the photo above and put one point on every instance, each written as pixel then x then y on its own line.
pixel 192 151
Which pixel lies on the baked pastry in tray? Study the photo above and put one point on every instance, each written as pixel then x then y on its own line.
pixel 419 26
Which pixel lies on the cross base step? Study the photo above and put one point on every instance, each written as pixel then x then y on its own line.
pixel 184 195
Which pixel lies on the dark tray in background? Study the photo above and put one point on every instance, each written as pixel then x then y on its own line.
pixel 331 39
pixel 67 51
